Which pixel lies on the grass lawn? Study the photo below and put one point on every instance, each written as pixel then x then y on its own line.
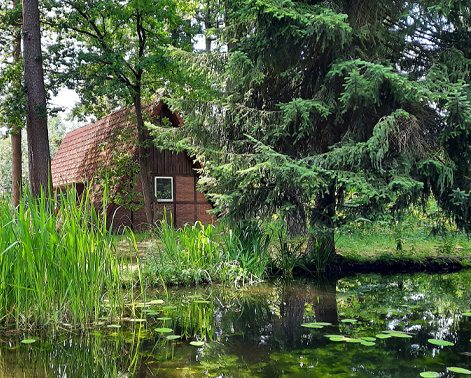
pixel 376 243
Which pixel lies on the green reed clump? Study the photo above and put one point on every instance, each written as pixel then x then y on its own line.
pixel 248 244
pixel 183 256
pixel 202 253
pixel 57 263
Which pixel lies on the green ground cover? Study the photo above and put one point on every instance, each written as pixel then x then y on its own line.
pixel 415 238
pixel 248 252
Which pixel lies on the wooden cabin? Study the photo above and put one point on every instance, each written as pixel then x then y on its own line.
pixel 108 148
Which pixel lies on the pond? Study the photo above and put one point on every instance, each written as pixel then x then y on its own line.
pixel 361 326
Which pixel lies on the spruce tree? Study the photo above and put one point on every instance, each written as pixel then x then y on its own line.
pixel 320 112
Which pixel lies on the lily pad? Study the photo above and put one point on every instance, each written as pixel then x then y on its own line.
pixel 164 318
pixel 197 343
pixel 399 334
pixel 337 338
pixel 316 324
pixel 163 330
pixel 466 314
pixel 173 337
pixel 429 374
pixel 137 320
pixel 369 338
pixel 440 342
pixel 156 301
pixel 459 370
pixel 383 336
pixel 367 343
pixel 169 307
pixel 28 341
pixel 353 340
pixel 311 325
pixel 349 320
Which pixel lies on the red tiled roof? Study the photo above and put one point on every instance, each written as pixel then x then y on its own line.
pixel 86 150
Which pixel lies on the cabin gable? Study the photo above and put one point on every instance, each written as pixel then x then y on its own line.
pixel 89 150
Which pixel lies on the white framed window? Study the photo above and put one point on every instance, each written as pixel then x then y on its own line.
pixel 163 187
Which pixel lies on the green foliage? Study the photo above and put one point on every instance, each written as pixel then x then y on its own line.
pixel 12 91
pixel 111 52
pixel 120 175
pixel 312 120
pixel 197 253
pixel 6 164
pixel 57 263
pixel 420 235
pixel 56 130
pixel 248 244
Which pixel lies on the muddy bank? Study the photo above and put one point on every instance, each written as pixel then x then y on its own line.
pixel 434 264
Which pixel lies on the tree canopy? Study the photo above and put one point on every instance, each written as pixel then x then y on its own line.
pixel 324 112
pixel 114 53
pixel 314 113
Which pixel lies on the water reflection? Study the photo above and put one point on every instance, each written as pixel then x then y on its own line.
pixel 259 332
pixel 86 356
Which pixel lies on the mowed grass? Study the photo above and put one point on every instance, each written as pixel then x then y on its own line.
pixel 409 240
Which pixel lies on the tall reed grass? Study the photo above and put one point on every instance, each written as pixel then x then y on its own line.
pixel 57 263
pixel 200 253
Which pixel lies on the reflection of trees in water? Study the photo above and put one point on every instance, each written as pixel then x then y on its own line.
pixel 257 332
pixel 271 319
pixel 320 295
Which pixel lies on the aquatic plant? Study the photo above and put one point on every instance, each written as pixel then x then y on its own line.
pixel 184 256
pixel 248 244
pixel 198 253
pixel 57 263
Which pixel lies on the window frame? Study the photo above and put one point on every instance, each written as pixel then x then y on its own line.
pixel 172 199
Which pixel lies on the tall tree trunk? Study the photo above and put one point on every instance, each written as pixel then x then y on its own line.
pixel 145 169
pixel 16 172
pixel 296 218
pixel 36 119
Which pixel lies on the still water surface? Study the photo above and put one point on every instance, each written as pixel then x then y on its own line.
pixel 264 331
